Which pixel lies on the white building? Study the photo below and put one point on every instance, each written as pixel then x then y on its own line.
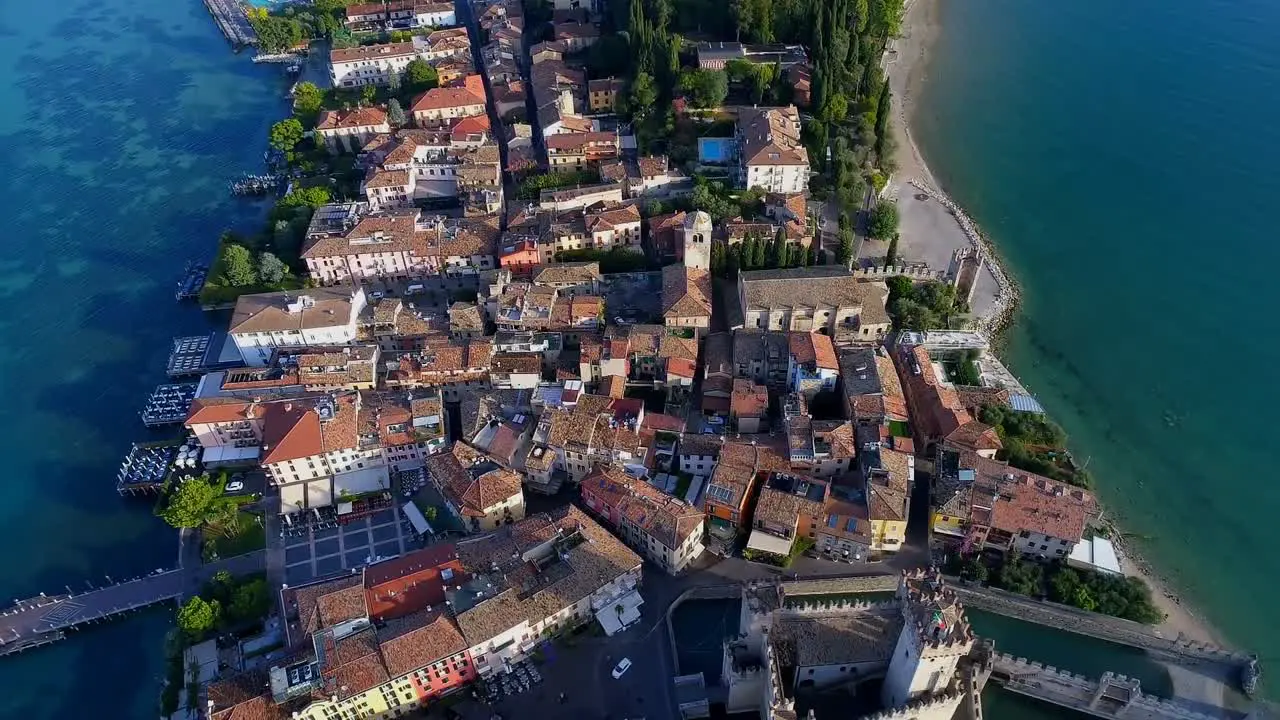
pixel 318 316
pixel 405 246
pixel 370 64
pixel 312 450
pixel 771 155
pixel 375 64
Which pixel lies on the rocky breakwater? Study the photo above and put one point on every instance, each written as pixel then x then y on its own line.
pixel 1008 295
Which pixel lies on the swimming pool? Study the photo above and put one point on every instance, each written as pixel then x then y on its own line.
pixel 715 150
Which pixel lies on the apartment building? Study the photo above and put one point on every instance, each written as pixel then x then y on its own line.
pixel 540 577
pixel 515 371
pixel 575 151
pixel 871 390
pixel 602 94
pixel 432 165
pixel 771 154
pixel 742 462
pixel 662 528
pixel 441 106
pixel 262 322
pixel 789 507
pixel 440 361
pixel 409 425
pixel 563 199
pixel 571 278
pixel 349 130
pixel 614 227
pixel 477 490
pixel 398 15
pixel 442 252
pixel 370 64
pixel 378 645
pixel 983 503
pixel 592 429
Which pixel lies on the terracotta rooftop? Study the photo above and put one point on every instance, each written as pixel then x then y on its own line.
pixel 359 117
pixel 302 427
pixel 686 292
pixel 529 594
pixel 475 485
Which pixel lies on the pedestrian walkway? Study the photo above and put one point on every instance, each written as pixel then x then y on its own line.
pixel 45 619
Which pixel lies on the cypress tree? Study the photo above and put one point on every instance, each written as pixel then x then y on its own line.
pixel 758 253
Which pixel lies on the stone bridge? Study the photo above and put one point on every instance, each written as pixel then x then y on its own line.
pixel 1103 627
pixel 1114 696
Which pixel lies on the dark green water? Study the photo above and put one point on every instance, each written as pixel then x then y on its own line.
pixel 700 627
pixel 120 125
pixel 1123 157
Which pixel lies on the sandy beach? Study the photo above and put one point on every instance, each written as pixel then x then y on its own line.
pixel 907 68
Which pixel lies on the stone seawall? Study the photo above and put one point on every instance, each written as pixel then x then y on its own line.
pixel 1008 295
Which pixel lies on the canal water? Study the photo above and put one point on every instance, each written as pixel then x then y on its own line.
pixel 700 627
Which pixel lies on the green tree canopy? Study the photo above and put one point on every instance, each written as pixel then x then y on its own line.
pixel 237 267
pixel 395 113
pixel 644 95
pixel 250 601
pixel 285 135
pixel 271 269
pixel 844 254
pixel 419 76
pixel 884 219
pixel 891 255
pixel 311 197
pixel 705 88
pixel 198 617
pixel 196 502
pixel 307 99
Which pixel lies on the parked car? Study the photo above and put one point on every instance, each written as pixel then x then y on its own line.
pixel 621 668
pixel 235 486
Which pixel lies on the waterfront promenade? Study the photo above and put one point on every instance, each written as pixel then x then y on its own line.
pixel 43 620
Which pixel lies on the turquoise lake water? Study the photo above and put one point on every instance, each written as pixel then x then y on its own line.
pixel 120 125
pixel 1123 157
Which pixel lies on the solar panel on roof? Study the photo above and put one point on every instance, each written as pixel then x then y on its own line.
pixel 851 525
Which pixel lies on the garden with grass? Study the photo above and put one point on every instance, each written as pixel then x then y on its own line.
pixel 1035 444
pixel 201 502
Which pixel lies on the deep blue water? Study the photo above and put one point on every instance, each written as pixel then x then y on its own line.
pixel 120 125
pixel 1123 157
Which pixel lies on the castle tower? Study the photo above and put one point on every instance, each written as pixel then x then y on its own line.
pixel 935 635
pixel 697 240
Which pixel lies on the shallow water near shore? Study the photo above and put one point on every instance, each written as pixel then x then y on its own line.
pixel 1121 156
pixel 120 125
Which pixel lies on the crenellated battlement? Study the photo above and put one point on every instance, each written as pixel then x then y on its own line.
pixel 942 706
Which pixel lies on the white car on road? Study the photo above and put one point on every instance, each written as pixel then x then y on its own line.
pixel 621 668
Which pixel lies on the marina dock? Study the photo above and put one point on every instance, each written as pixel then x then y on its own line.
pixel 231 20
pixel 168 404
pixel 194 355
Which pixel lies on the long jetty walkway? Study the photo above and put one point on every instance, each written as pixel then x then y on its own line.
pixel 232 21
pixel 1116 630
pixel 46 619
pixel 1113 696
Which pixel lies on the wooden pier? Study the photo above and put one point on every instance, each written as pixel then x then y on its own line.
pixel 232 21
